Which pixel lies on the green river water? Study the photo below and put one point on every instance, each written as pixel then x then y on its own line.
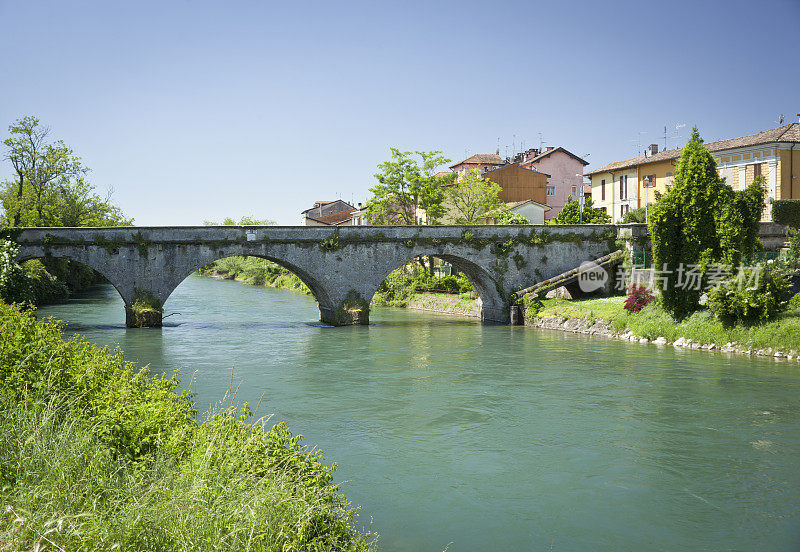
pixel 495 437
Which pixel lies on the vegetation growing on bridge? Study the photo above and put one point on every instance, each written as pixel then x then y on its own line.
pixel 97 454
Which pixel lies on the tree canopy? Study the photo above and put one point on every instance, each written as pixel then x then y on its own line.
pixel 700 222
pixel 406 184
pixel 470 197
pixel 571 213
pixel 50 185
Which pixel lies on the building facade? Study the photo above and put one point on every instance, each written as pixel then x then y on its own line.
pixel 773 154
pixel 327 213
pixel 565 170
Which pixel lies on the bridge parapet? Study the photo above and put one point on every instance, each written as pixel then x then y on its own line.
pixel 342 266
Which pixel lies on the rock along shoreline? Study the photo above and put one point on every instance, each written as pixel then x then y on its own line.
pixel 603 329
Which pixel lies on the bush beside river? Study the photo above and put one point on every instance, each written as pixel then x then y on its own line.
pixel 98 453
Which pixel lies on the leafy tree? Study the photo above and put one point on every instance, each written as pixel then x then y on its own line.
pixel 50 187
pixel 571 213
pixel 405 185
pixel 470 197
pixel 701 221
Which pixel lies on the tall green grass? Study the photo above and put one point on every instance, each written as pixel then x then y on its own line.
pixel 98 455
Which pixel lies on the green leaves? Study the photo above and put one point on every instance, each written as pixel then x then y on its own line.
pixel 407 189
pixel 571 213
pixel 470 197
pixel 50 186
pixel 701 221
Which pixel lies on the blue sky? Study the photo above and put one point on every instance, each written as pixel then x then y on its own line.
pixel 195 111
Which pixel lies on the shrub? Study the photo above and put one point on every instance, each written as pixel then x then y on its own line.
pixel 756 294
pixel 701 221
pixel 638 297
pixel 786 211
pixel 507 217
pixel 15 283
pixel 98 454
pixel 793 255
pixel 635 216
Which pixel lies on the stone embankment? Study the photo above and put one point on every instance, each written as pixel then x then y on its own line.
pixel 604 329
pixel 445 304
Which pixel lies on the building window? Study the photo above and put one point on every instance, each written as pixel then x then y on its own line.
pixel 756 170
pixel 603 190
pixel 623 187
pixel 551 191
pixel 574 191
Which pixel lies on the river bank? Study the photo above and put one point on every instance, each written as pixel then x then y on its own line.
pixel 605 317
pixel 98 453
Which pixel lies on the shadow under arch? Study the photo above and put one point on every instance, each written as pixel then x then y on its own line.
pixel 493 305
pixel 317 290
pixel 100 268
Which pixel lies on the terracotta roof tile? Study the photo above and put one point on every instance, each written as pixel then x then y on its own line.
pixel 785 133
pixel 551 152
pixel 482 159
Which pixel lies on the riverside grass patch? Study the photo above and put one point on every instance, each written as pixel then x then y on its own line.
pixel 257 272
pixel 98 454
pixel 781 333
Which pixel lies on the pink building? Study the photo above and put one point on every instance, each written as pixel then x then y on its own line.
pixel 565 170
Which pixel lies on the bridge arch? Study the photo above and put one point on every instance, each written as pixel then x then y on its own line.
pixel 493 305
pixel 318 290
pixel 100 267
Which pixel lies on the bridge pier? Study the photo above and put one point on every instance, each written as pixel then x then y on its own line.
pixel 144 312
pixel 136 318
pixel 344 316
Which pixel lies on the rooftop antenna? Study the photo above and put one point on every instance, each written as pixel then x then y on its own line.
pixel 665 137
pixel 513 144
pixel 678 136
pixel 639 141
pixel 498 146
pixel 541 142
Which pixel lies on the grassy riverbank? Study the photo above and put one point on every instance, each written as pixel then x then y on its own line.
pixel 98 454
pixel 653 322
pixel 255 271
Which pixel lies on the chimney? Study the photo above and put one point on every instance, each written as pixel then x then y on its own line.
pixel 359 205
pixel 653 149
pixel 550 148
pixel 798 117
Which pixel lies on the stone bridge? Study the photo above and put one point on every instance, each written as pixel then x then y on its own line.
pixel 342 267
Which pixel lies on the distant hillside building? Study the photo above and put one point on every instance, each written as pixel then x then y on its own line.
pixel 774 154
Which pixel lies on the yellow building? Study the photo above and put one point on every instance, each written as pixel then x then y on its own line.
pixel 774 154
